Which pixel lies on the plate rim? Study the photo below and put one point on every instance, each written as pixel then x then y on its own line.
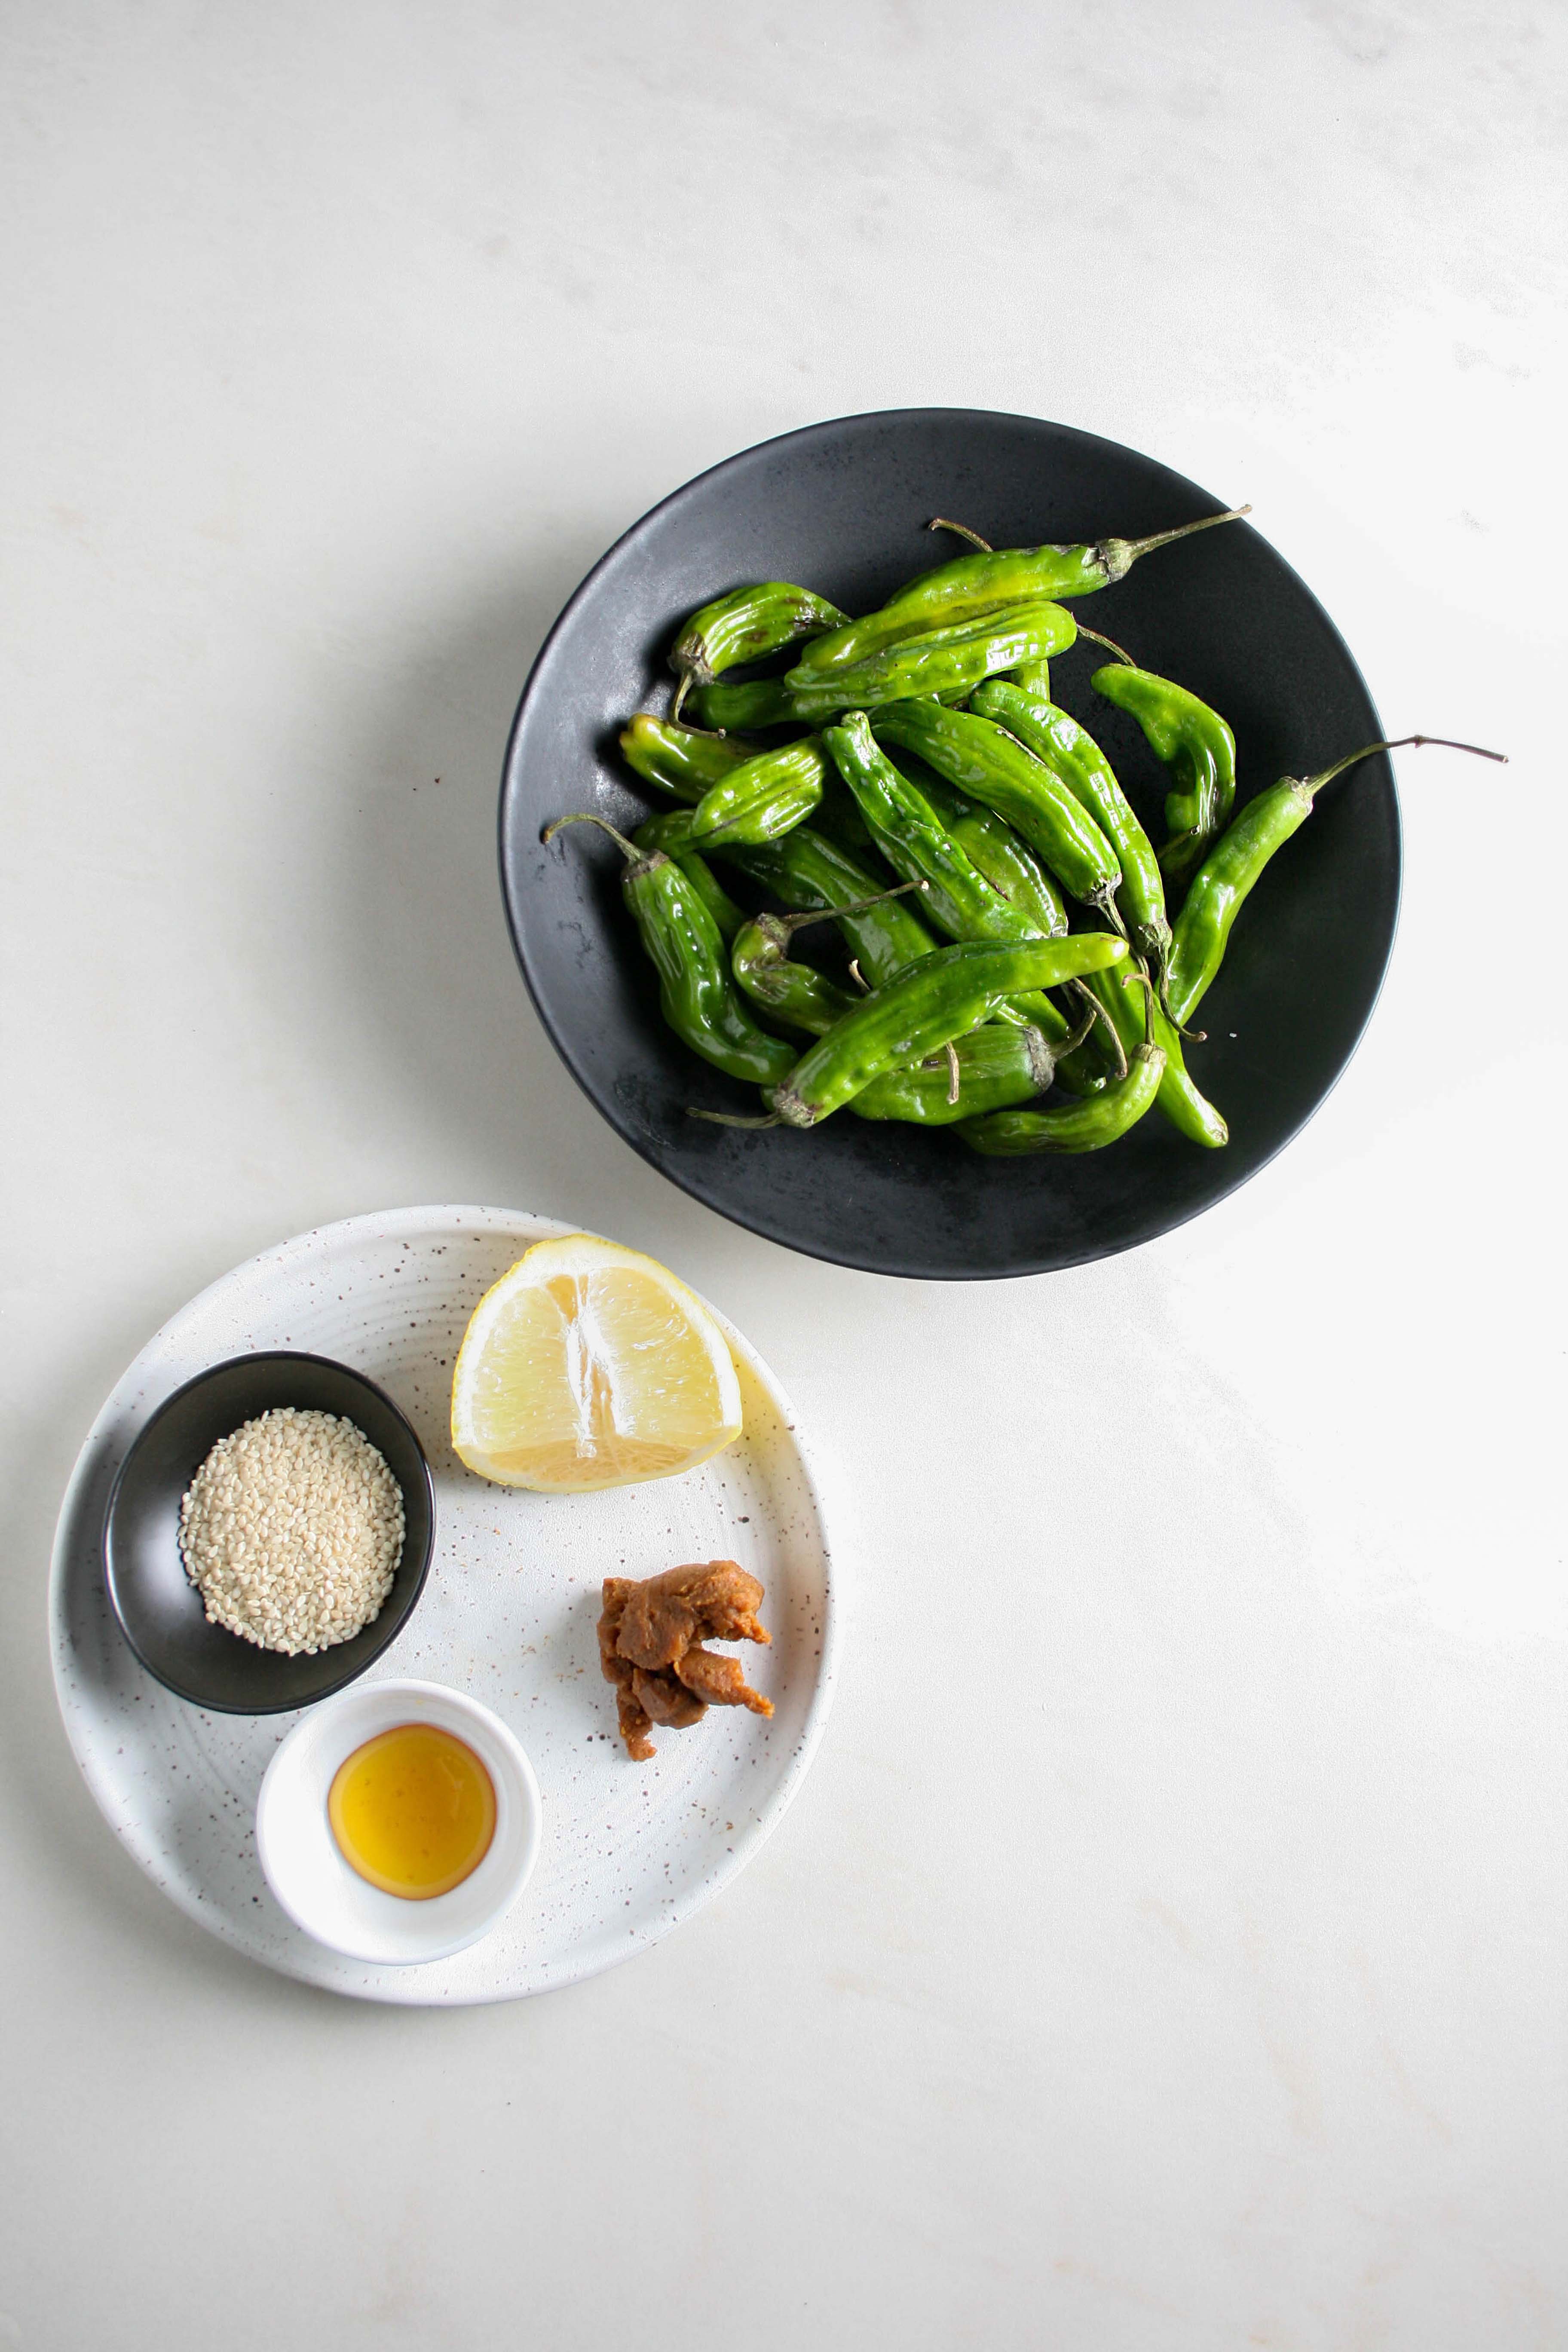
pixel 691 1183
pixel 104 1789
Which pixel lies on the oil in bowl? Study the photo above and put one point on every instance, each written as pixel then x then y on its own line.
pixel 398 1822
pixel 413 1810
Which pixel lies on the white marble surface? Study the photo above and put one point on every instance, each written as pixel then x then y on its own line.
pixel 1191 1974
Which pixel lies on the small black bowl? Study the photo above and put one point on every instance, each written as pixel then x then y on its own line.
pixel 160 1611
pixel 843 507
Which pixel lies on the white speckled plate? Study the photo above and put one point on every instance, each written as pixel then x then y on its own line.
pixel 508 1613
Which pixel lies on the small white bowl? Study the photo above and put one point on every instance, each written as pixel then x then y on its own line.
pixel 300 1858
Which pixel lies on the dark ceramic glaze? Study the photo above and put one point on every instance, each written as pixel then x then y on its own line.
pixel 840 507
pixel 159 1609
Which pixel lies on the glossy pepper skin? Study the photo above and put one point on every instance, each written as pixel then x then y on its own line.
pixel 1189 1112
pixel 974 584
pixel 998 1068
pixel 941 662
pixel 763 798
pixel 1233 865
pixel 671 832
pixel 744 626
pixel 814 875
pixel 938 1000
pixel 1072 753
pixel 677 760
pixel 1076 1127
pixel 958 898
pixel 793 993
pixel 984 761
pixel 697 995
pixel 1194 743
pixel 994 849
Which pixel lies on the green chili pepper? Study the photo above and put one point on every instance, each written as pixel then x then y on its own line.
pixel 918 846
pixel 974 584
pixel 1190 1112
pixel 1191 740
pixel 1035 678
pixel 743 627
pixel 992 766
pixel 1084 1126
pixel 671 832
pixel 695 993
pixel 814 875
pixel 942 662
pixel 1076 1127
pixel 679 760
pixel 994 1068
pixel 1072 753
pixel 763 798
pixel 941 998
pixel 959 899
pixel 991 845
pixel 1236 860
pixel 793 992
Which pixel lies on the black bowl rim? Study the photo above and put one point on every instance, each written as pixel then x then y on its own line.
pixel 708 1195
pixel 199 1380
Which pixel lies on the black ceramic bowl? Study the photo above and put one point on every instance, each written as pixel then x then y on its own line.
pixel 160 1610
pixel 841 508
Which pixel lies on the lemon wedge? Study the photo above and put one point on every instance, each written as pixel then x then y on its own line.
pixel 589 1365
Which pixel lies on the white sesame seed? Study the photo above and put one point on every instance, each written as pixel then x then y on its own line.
pixel 292 1531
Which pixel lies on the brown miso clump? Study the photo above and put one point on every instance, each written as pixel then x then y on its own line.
pixel 652 1646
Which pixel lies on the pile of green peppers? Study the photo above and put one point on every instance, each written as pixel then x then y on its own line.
pixel 955 875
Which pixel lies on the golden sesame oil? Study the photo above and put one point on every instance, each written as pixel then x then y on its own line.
pixel 413 1810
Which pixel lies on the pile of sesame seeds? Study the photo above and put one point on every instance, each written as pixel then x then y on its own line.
pixel 292 1531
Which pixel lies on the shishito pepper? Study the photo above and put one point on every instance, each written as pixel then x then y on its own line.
pixel 1081 1125
pixel 763 798
pixel 697 995
pixel 941 662
pixel 814 875
pixel 1189 739
pixel 1072 753
pixel 1074 1127
pixel 958 898
pixel 984 761
pixel 681 760
pixel 1236 860
pixel 1189 1112
pixel 792 992
pixel 991 845
pixel 671 832
pixel 941 998
pixel 979 583
pixel 744 626
pixel 995 1067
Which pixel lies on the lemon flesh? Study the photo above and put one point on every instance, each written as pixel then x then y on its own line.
pixel 588 1365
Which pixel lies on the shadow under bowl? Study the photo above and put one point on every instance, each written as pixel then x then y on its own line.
pixel 162 1613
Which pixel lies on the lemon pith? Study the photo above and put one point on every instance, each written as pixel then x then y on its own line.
pixel 589 1365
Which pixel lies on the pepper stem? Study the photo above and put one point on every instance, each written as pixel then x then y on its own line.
pixel 951 1050
pixel 1141 974
pixel 940 522
pixel 1137 547
pixel 1075 1037
pixel 586 816
pixel 683 687
pixel 1097 1012
pixel 728 1119
pixel 1109 644
pixel 793 923
pixel 1312 785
